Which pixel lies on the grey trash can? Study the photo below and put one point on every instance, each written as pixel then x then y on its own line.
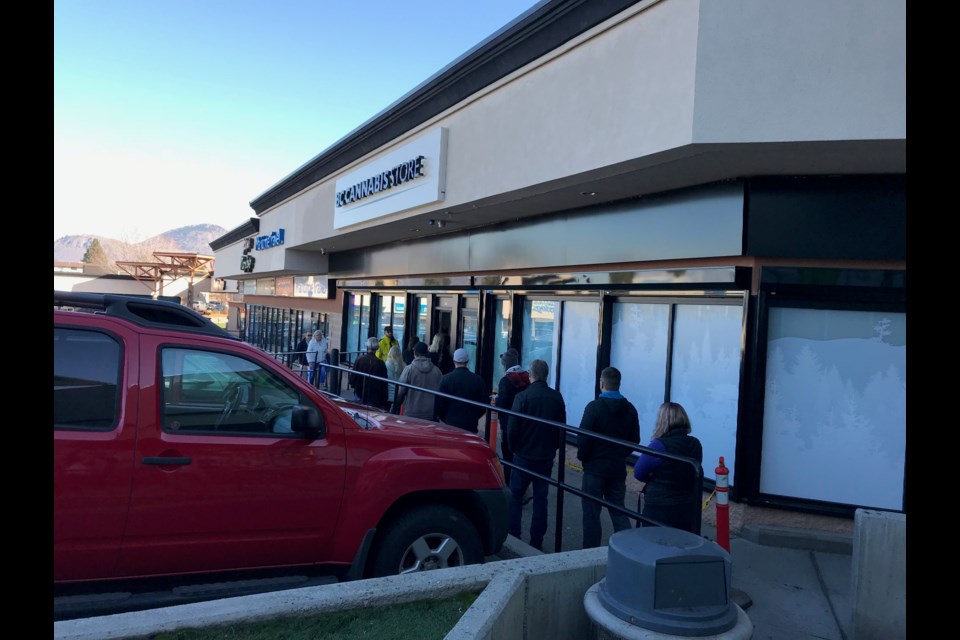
pixel 664 581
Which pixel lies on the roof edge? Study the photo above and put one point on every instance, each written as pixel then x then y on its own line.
pixel 249 227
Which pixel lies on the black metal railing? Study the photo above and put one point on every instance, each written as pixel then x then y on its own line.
pixel 563 430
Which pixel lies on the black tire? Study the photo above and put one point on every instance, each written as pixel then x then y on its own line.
pixel 425 538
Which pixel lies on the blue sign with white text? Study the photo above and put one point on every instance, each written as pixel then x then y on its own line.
pixel 275 239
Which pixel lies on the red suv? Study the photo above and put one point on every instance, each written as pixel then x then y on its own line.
pixel 180 450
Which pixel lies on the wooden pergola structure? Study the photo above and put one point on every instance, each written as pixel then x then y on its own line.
pixel 170 266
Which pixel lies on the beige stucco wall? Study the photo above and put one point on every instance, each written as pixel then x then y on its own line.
pixel 648 85
pixel 624 93
pixel 813 70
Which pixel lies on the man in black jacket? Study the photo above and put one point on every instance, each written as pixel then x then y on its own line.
pixel 369 390
pixel 463 383
pixel 604 463
pixel 514 380
pixel 300 352
pixel 534 446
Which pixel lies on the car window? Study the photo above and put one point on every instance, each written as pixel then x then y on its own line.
pixel 215 392
pixel 86 377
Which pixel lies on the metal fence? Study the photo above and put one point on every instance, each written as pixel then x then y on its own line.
pixel 339 369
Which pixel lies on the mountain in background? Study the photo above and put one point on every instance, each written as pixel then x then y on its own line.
pixel 192 239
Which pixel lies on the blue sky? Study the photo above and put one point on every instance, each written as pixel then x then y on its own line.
pixel 177 112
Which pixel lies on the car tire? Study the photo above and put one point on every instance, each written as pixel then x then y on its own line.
pixel 425 538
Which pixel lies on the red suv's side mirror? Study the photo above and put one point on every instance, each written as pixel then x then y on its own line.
pixel 308 421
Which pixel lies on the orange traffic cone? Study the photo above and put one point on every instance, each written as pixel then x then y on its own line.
pixel 494 427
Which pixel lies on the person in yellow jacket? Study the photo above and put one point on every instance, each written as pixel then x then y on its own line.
pixel 386 342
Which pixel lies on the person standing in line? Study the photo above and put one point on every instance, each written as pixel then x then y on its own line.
pixel 534 446
pixel 408 352
pixel 466 384
pixel 514 380
pixel 421 373
pixel 386 342
pixel 300 353
pixel 670 495
pixel 604 463
pixel 395 367
pixel 434 349
pixel 316 352
pixel 369 390
pixel 440 353
pixel 445 363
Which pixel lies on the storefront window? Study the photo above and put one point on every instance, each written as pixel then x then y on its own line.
pixel 540 321
pixel 501 337
pixel 834 418
pixel 639 350
pixel 705 377
pixel 358 314
pixel 469 335
pixel 423 318
pixel 578 356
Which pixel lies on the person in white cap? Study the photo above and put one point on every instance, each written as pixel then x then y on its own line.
pixel 466 384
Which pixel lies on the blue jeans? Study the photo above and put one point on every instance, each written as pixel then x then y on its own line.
pixel 519 481
pixel 610 489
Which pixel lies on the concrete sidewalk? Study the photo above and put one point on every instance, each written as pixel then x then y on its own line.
pixel 794 586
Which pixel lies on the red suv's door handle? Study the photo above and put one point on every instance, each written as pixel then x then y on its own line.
pixel 164 461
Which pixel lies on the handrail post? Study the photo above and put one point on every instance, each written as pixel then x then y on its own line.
pixel 333 381
pixel 561 474
pixel 491 427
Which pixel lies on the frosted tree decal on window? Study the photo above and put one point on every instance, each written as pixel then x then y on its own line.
pixel 835 402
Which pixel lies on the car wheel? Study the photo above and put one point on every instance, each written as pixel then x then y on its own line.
pixel 425 538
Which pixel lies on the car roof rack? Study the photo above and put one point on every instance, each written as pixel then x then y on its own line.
pixel 143 311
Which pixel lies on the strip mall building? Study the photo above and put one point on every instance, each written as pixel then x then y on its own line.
pixel 709 196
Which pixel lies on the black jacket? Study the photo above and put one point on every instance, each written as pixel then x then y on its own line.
pixel 463 383
pixel 443 360
pixel 672 483
pixel 510 385
pixel 301 355
pixel 370 390
pixel 530 438
pixel 614 417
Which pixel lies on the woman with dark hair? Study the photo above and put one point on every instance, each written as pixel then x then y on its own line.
pixel 670 495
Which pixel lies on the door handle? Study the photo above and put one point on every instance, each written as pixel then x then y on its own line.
pixel 164 461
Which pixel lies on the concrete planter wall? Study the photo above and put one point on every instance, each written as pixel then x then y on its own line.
pixel 544 593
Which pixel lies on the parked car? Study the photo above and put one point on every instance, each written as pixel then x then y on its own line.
pixel 179 450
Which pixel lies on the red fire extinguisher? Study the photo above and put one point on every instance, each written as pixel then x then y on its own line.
pixel 723 506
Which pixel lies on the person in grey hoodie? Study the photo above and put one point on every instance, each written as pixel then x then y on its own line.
pixel 605 463
pixel 422 373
